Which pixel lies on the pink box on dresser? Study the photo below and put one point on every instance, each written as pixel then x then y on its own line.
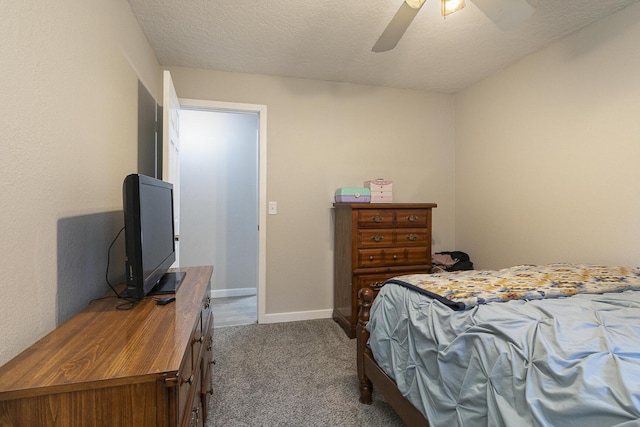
pixel 381 190
pixel 379 185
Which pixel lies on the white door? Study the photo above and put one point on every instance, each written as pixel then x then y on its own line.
pixel 171 150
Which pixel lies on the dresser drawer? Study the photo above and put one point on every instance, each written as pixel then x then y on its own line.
pixel 193 412
pixel 376 238
pixel 391 218
pixel 374 218
pixel 207 360
pixel 412 218
pixel 186 382
pixel 189 375
pixel 380 238
pixel 390 257
pixel 413 237
pixel 374 281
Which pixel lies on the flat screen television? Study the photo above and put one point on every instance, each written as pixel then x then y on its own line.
pixel 149 237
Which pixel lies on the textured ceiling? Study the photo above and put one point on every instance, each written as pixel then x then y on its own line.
pixel 332 39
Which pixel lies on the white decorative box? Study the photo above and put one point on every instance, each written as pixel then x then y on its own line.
pixel 379 185
pixel 381 197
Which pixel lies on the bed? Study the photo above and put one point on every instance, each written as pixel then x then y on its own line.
pixel 552 345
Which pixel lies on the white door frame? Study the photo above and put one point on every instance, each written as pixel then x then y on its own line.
pixel 261 110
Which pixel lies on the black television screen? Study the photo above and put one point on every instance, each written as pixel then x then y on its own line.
pixel 149 236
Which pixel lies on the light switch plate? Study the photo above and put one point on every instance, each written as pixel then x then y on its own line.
pixel 273 208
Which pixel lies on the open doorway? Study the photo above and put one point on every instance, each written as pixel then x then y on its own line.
pixel 223 179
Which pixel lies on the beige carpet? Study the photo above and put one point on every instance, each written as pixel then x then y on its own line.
pixel 290 374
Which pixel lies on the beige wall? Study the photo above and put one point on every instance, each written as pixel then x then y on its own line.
pixel 68 79
pixel 322 136
pixel 547 153
pixel 545 160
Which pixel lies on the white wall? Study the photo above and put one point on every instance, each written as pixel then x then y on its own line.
pixel 547 153
pixel 68 79
pixel 325 135
pixel 219 195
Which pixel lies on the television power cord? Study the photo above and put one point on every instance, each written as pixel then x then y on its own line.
pixel 130 302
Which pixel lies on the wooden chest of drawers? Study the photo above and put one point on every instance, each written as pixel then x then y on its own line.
pixel 147 366
pixel 374 242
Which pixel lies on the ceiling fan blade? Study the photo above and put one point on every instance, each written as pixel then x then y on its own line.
pixel 396 28
pixel 506 14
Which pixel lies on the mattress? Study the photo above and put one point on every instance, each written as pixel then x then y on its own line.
pixel 566 361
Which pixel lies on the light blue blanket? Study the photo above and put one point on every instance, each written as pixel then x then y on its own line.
pixel 559 362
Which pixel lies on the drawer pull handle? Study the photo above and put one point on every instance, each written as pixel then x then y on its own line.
pixel 207 303
pixel 213 362
pixel 371 258
pixel 395 257
pixel 189 380
pixel 376 286
pixel 198 340
pixel 377 238
pixel 412 237
pixel 412 218
pixel 377 218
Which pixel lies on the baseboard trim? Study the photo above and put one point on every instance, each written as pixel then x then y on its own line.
pixel 239 292
pixel 297 316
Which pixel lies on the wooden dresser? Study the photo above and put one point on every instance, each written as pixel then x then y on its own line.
pixel 374 242
pixel 147 366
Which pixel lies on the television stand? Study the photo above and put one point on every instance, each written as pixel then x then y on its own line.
pixel 149 366
pixel 168 283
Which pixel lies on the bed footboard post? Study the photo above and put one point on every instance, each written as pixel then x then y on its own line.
pixel 365 299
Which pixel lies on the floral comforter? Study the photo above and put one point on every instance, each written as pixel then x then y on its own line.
pixel 465 289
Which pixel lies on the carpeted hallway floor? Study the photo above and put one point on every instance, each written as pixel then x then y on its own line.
pixel 298 374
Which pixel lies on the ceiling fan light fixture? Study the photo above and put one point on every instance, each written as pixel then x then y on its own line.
pixel 451 6
pixel 416 4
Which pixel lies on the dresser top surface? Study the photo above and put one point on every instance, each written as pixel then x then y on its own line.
pixel 386 205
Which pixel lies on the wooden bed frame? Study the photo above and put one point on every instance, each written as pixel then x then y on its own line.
pixel 370 374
